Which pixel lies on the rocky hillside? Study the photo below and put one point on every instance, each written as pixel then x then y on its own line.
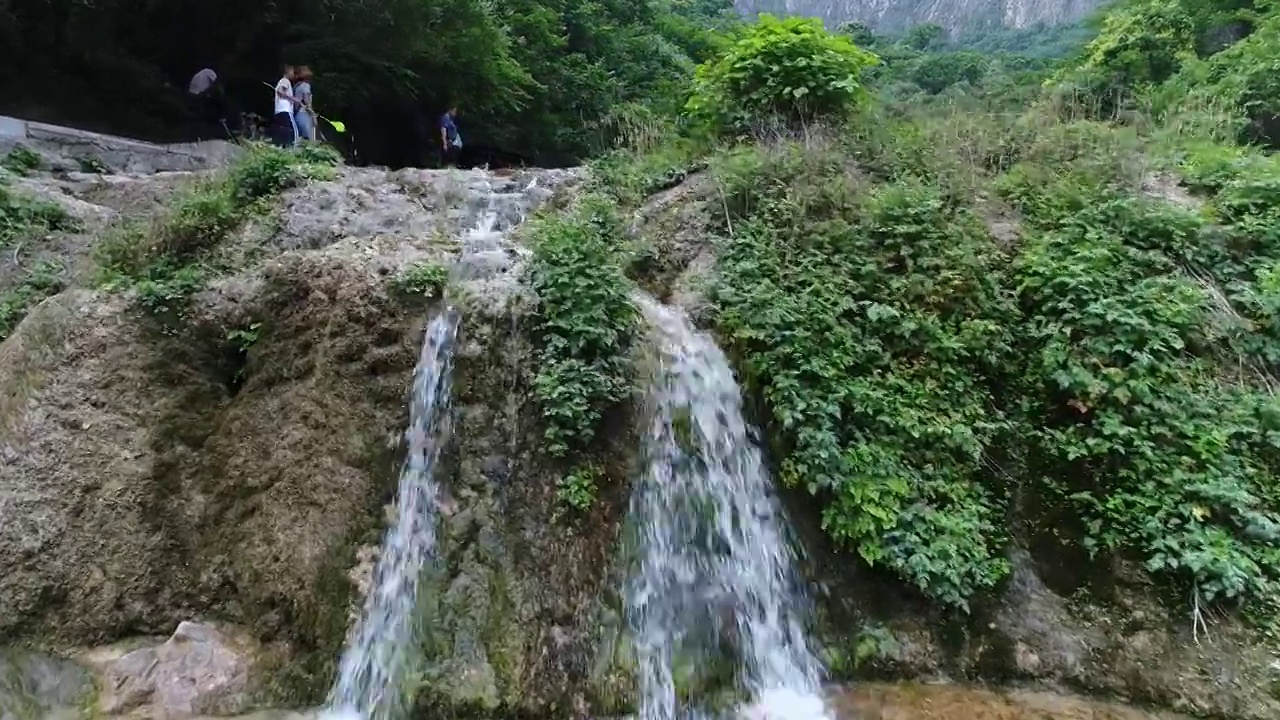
pixel 896 15
pixel 199 445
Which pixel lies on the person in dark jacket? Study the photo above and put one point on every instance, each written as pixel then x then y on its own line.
pixel 450 139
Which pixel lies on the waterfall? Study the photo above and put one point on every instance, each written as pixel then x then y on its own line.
pixel 713 556
pixel 376 664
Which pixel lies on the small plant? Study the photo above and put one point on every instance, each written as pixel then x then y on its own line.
pixel 422 279
pixel 88 164
pixel 22 216
pixel 263 171
pixel 21 161
pixel 578 489
pixel 241 340
pixel 315 154
pixel 244 338
pixel 164 290
pixel 42 281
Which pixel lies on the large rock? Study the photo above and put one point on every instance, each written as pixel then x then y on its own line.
pixel 155 469
pixel 199 670
pixel 38 686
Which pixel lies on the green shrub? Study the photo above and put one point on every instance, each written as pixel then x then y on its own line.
pixel 578 489
pixel 425 279
pixel 867 323
pixel 22 216
pixel 42 281
pixel 789 70
pixel 585 322
pixel 21 161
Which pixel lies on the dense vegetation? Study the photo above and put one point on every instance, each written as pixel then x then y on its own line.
pixel 1035 303
pixel 585 327
pixel 539 77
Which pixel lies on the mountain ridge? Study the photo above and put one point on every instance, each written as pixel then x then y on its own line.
pixel 896 15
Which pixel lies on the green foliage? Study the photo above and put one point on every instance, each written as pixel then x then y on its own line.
pixel 245 337
pixel 42 281
pixel 22 216
pixel 925 37
pixel 578 489
pixel 530 75
pixel 1115 363
pixel 423 279
pixel 1038 41
pixel 585 322
pixel 1134 427
pixel 868 323
pixel 788 70
pixel 1141 43
pixel 21 161
pixel 936 73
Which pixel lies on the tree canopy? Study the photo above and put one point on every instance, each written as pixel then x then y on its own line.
pixel 533 76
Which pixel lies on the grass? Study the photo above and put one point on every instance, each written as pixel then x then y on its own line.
pixel 42 281
pixel 173 256
pixel 23 217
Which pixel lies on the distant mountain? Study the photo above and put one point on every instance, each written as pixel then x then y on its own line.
pixel 955 15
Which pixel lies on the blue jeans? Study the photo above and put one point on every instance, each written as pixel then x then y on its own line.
pixel 306 125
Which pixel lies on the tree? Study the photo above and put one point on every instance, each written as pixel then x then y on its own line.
pixel 925 37
pixel 790 70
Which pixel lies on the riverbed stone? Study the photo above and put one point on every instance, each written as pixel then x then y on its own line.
pixel 200 669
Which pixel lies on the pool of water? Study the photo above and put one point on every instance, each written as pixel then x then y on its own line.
pixel 908 701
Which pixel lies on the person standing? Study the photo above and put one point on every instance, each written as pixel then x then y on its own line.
pixel 283 132
pixel 450 138
pixel 305 114
pixel 207 95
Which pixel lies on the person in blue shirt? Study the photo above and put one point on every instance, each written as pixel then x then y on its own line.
pixel 450 140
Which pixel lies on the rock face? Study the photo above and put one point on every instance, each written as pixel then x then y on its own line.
pixel 152 473
pixel 897 15
pixel 226 472
pixel 70 149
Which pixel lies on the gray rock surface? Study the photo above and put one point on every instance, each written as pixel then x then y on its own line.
pixel 70 149
pixel 39 686
pixel 199 670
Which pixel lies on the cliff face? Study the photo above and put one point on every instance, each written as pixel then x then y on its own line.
pixel 892 15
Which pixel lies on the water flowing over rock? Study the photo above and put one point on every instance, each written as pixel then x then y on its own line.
pixel 715 568
pixel 150 477
pixel 383 651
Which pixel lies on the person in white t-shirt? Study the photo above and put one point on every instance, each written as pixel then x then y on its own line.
pixel 284 132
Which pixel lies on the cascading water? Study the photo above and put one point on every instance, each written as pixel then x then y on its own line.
pixel 383 650
pixel 713 557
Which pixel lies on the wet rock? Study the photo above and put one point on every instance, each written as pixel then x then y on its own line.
pixel 39 686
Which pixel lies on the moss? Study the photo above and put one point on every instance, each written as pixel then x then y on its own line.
pixel 304 676
pixel 503 638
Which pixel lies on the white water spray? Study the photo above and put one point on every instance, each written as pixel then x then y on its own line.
pixel 714 562
pixel 376 665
